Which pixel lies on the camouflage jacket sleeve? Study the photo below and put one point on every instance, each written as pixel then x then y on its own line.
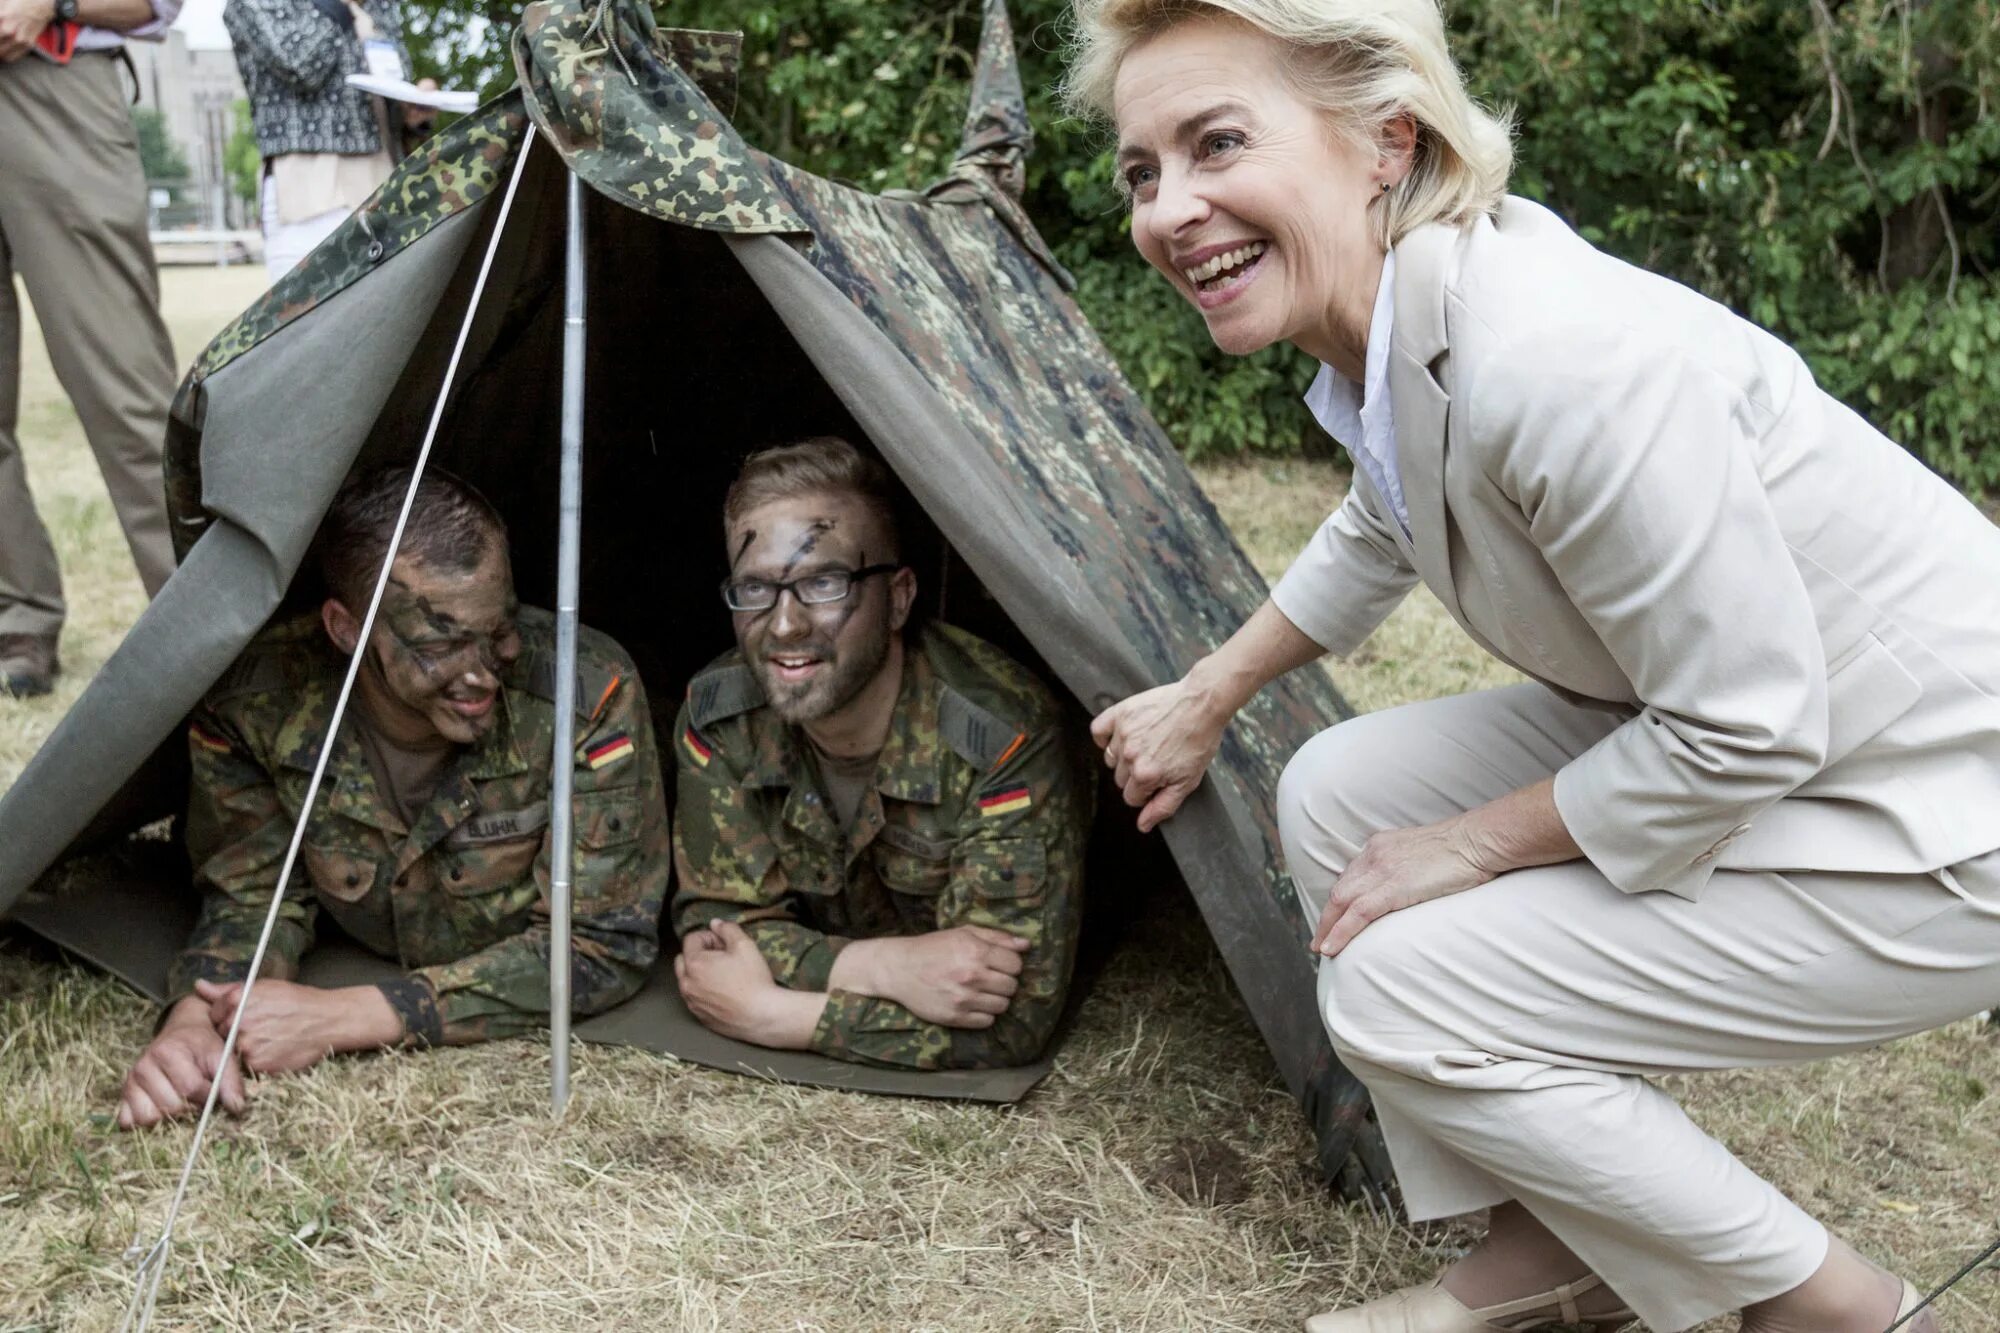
pixel 237 834
pixel 727 867
pixel 619 884
pixel 1017 867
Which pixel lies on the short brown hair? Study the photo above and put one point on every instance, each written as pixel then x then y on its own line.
pixel 452 527
pixel 812 466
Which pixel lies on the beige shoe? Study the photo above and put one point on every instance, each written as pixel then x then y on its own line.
pixel 1912 1298
pixel 1432 1309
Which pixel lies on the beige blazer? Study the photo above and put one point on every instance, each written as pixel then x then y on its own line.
pixel 1641 500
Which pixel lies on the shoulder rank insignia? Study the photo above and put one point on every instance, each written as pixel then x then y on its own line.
pixel 723 692
pixel 608 751
pixel 535 672
pixel 1005 801
pixel 979 737
pixel 697 749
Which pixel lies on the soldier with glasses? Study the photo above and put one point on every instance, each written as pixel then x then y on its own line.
pixel 880 829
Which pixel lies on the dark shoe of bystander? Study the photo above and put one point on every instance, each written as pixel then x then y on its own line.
pixel 28 665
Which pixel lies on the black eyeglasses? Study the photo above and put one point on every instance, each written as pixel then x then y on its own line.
pixel 829 585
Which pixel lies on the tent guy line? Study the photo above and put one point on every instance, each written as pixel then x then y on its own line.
pixel 153 1262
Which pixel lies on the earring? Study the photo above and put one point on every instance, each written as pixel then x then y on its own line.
pixel 1385 187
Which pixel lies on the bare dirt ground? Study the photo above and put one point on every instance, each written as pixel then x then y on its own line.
pixel 1160 1179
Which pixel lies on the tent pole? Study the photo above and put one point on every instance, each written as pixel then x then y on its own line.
pixel 562 830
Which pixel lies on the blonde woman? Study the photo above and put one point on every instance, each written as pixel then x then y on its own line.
pixel 1745 815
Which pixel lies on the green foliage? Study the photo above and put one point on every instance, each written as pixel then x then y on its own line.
pixel 1829 168
pixel 159 155
pixel 239 156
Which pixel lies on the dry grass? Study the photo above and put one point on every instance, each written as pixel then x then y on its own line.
pixel 1160 1179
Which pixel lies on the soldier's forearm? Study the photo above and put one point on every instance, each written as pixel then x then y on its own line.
pixel 785 1020
pixel 368 1020
pixel 864 967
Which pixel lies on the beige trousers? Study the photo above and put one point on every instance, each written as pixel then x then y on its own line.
pixel 73 225
pixel 1505 1032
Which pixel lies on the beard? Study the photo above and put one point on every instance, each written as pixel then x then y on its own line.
pixel 832 688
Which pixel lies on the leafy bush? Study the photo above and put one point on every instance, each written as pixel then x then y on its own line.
pixel 1830 168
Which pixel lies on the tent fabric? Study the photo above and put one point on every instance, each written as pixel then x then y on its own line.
pixel 936 326
pixel 316 386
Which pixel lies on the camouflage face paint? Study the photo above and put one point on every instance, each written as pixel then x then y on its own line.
pixel 812 660
pixel 815 530
pixel 441 642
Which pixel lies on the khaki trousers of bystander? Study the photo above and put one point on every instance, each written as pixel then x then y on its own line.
pixel 73 226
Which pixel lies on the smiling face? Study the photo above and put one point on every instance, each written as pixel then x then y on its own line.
pixel 1245 196
pixel 814 661
pixel 440 644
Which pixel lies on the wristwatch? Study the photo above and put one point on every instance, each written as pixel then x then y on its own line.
pixel 66 11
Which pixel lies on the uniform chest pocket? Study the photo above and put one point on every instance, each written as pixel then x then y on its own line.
pixel 344 874
pixel 492 849
pixel 910 863
pixel 607 819
pixel 1005 868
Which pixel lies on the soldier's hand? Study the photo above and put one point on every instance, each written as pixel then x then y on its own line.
pixel 173 1075
pixel 288 1027
pixel 1158 743
pixel 964 977
pixel 729 987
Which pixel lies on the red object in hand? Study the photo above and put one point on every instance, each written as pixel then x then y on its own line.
pixel 58 41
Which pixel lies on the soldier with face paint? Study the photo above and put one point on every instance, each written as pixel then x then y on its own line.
pixel 880 835
pixel 429 840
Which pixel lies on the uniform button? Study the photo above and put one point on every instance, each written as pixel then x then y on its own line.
pixel 1007 875
pixel 457 874
pixel 352 880
pixel 402 881
pixel 811 799
pixel 616 823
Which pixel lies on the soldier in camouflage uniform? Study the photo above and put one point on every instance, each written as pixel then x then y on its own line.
pixel 879 842
pixel 429 841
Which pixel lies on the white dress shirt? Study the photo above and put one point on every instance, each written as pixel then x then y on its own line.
pixel 1361 416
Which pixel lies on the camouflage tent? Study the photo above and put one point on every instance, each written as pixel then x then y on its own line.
pixel 735 301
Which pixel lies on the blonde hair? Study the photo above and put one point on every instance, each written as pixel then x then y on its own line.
pixel 812 466
pixel 1364 62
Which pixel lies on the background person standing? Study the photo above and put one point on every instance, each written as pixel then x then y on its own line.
pixel 326 146
pixel 73 225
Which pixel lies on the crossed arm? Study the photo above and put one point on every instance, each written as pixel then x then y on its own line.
pixel 983 989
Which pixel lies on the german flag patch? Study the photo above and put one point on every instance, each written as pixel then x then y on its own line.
pixel 1005 802
pixel 697 748
pixel 608 751
pixel 207 739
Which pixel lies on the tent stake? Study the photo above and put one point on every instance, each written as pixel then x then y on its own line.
pixel 562 829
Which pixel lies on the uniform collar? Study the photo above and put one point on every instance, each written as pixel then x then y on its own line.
pixel 350 787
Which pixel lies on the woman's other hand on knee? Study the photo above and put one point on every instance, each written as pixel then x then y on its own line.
pixel 1396 869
